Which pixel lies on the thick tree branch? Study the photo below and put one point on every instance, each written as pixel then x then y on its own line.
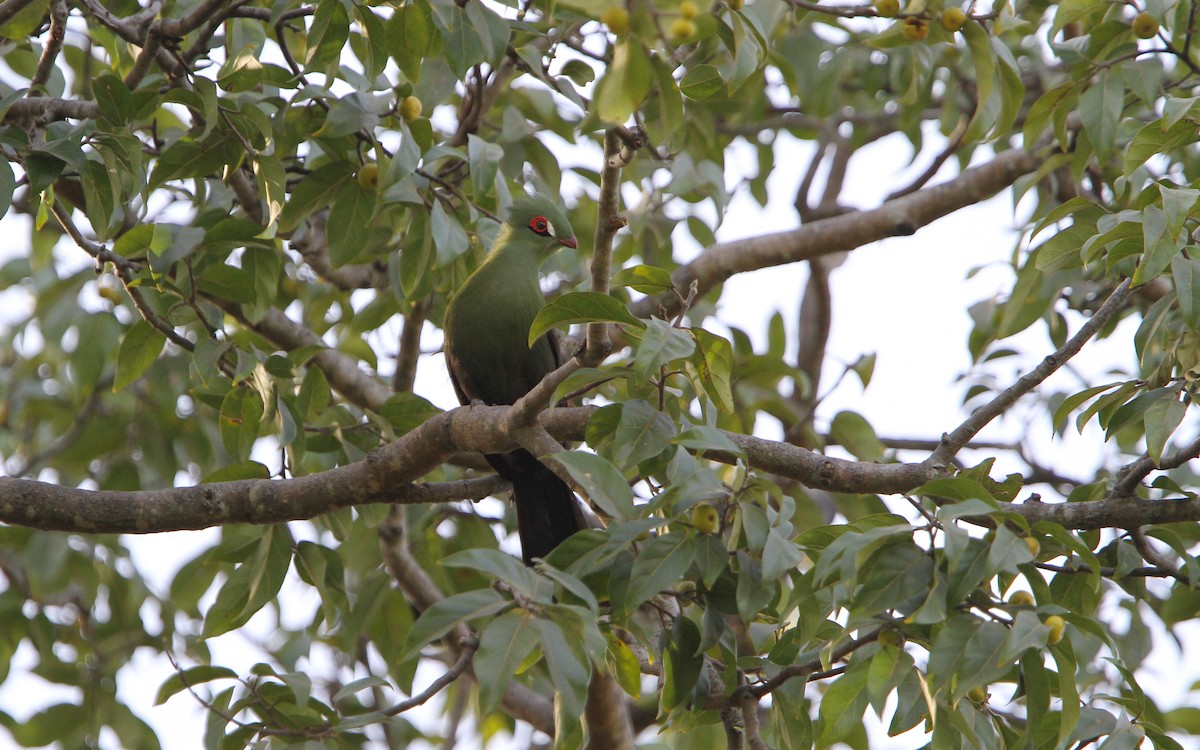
pixel 607 715
pixel 388 473
pixel 900 217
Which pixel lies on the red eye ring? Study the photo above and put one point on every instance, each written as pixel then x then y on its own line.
pixel 540 225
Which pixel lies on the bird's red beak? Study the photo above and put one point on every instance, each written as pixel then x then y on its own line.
pixel 570 242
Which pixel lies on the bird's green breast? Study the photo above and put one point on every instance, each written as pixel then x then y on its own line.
pixel 487 331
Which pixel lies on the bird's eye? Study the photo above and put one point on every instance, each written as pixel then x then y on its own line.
pixel 541 226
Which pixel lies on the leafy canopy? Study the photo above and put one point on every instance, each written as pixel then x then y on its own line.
pixel 239 224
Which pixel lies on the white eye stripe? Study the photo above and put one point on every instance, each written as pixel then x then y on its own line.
pixel 550 229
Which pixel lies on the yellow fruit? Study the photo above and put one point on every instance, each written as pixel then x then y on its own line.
pixel 977 694
pixel 887 8
pixel 705 518
pixel 685 587
pixel 735 4
pixel 914 29
pixel 368 175
pixel 688 9
pixel 616 19
pixel 1058 626
pixel 682 28
pixel 1034 545
pixel 1144 25
pixel 410 108
pixel 1021 599
pixel 953 19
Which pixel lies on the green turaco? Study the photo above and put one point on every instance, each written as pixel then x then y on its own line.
pixel 490 360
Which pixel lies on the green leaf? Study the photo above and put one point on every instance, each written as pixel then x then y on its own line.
pixel 441 617
pixel 449 238
pixel 503 645
pixel 1074 401
pixel 1160 248
pixel 568 666
pixel 662 562
pixel 194 159
pixel 712 365
pixel 624 666
pixel 1185 271
pixel 965 654
pixel 272 184
pixel 313 192
pixel 645 279
pixel 682 665
pixel 843 704
pixel 226 282
pixel 1151 140
pixel 25 21
pixel 407 411
pixel 701 82
pixel 581 307
pixel 1162 418
pixel 1100 112
pixel 410 38
pixel 241 417
pixel 180 681
pixel 140 346
pixel 625 84
pixel 349 222
pixel 496 564
pixel 855 434
pixel 1026 632
pixel 253 584
pixel 661 344
pixel 326 36
pixel 601 481
pixel 462 43
pixel 643 433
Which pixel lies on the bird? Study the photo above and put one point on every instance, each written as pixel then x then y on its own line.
pixel 490 360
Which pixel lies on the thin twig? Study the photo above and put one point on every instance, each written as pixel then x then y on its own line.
pixel 467 652
pixel 954 441
pixel 1129 477
pixel 58 28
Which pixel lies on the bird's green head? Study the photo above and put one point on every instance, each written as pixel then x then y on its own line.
pixel 538 222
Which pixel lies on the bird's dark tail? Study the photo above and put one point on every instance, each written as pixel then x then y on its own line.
pixel 547 512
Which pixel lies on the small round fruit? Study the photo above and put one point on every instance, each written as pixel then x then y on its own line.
pixel 1021 599
pixel 688 9
pixel 891 639
pixel 977 694
pixel 1034 545
pixel 410 108
pixel 887 8
pixel 616 19
pixel 953 19
pixel 1058 626
pixel 735 4
pixel 1144 25
pixel 368 176
pixel 914 29
pixel 682 28
pixel 705 518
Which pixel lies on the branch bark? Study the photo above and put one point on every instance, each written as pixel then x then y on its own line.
pixel 900 217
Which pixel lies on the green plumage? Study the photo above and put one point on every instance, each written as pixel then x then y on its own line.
pixel 489 358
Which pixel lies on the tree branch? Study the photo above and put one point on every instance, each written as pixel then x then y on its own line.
pixel 607 715
pixel 953 442
pixel 900 217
